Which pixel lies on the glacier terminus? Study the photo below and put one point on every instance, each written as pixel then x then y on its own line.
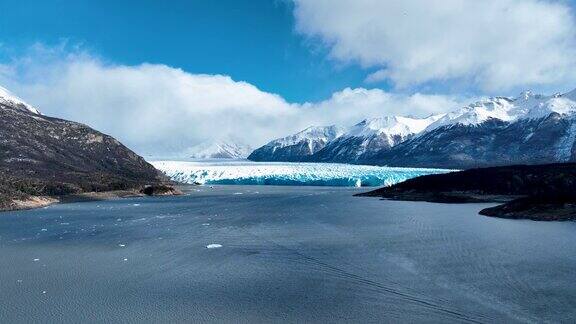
pixel 286 173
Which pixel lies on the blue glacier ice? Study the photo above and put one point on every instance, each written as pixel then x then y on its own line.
pixel 282 173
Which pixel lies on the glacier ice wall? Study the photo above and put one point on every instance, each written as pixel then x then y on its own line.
pixel 281 173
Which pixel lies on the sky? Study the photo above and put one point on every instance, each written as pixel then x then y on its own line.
pixel 164 76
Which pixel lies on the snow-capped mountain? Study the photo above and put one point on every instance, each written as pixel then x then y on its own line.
pixel 219 149
pixel 361 141
pixel 526 106
pixel 299 146
pixel 527 129
pixel 338 144
pixel 9 99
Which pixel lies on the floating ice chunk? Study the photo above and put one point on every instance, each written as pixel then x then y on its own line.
pixel 206 224
pixel 125 259
pixel 121 245
pixel 213 246
pixel 135 205
pixel 43 291
pixel 238 193
pixel 36 260
pixel 44 230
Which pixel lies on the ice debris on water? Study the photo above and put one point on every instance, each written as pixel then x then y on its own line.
pixel 213 246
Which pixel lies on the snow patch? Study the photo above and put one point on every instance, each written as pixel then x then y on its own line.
pixel 9 99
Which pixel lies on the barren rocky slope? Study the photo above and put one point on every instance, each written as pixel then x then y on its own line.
pixel 42 156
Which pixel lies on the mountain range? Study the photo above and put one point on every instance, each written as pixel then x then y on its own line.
pixel 528 129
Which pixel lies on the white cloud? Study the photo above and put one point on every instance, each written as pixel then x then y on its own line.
pixel 496 45
pixel 352 105
pixel 159 110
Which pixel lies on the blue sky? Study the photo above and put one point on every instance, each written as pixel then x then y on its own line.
pixel 250 40
pixel 164 76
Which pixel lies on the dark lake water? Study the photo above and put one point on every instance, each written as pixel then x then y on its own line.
pixel 288 254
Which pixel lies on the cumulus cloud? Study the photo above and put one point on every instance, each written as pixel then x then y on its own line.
pixel 496 45
pixel 160 110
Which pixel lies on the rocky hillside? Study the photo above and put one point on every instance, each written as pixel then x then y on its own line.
pixel 44 156
pixel 530 129
pixel 538 192
pixel 491 143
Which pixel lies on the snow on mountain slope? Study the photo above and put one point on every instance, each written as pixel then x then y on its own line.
pixel 334 143
pixel 526 106
pixel 219 150
pixel 391 125
pixel 299 146
pixel 365 139
pixel 9 99
pixel 311 135
pixel 275 173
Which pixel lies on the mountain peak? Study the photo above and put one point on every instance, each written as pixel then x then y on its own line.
pixel 392 125
pixel 9 99
pixel 219 149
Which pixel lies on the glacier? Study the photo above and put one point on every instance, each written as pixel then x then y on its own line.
pixel 285 173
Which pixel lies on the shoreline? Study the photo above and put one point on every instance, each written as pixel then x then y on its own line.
pixel 34 202
pixel 543 192
pixel 546 208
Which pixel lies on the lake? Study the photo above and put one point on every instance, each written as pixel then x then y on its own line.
pixel 282 254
